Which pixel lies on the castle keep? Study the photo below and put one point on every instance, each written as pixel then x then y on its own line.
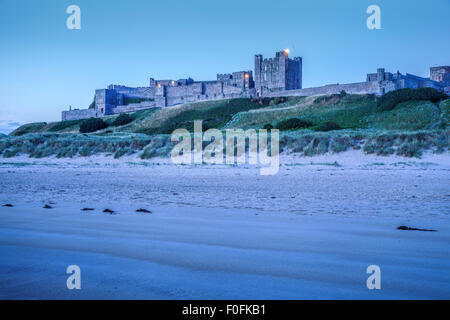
pixel 279 73
pixel 278 76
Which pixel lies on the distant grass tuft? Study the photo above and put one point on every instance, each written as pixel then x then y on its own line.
pixel 92 125
pixel 293 124
pixel 122 120
pixel 327 126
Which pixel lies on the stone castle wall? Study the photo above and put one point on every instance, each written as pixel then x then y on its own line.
pixel 133 107
pixel 352 88
pixel 78 114
pixel 140 92
pixel 200 91
pixel 240 79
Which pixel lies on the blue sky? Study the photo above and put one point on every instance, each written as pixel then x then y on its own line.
pixel 45 67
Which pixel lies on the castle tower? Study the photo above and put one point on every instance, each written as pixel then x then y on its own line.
pixel 160 95
pixel 105 101
pixel 279 73
pixel 380 74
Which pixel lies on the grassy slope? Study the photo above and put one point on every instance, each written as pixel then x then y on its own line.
pixel 350 112
pixel 215 114
pixel 29 128
pixel 69 126
pixel 406 130
pixel 412 115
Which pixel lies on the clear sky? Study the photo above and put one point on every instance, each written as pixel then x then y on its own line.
pixel 46 67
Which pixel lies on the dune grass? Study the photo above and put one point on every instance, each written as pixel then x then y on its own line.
pixel 402 143
pixel 69 145
pixel 444 107
pixel 304 142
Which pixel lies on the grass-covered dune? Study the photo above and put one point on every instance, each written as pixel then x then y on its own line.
pixel 71 126
pixel 307 143
pixel 69 145
pixel 308 125
pixel 347 111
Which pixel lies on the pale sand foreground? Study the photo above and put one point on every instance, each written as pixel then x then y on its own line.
pixel 220 232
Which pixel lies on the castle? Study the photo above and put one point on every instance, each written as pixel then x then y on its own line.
pixel 278 76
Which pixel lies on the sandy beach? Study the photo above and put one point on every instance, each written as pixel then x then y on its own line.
pixel 225 232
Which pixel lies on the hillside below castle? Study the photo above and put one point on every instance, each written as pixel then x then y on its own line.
pixel 272 77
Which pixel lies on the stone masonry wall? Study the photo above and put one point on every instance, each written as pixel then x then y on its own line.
pixel 352 88
pixel 294 74
pixel 132 107
pixel 77 114
pixel 271 73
